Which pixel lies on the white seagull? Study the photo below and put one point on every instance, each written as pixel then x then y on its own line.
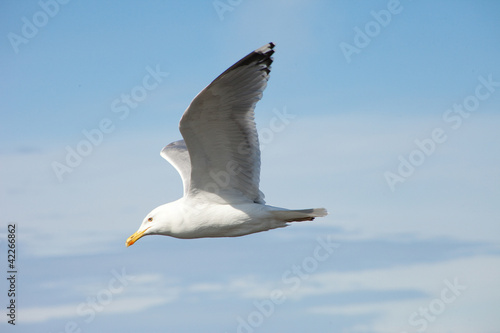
pixel 219 162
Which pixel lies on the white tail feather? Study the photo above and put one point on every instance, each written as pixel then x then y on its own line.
pixel 297 215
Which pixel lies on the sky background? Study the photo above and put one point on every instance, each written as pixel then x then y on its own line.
pixel 416 253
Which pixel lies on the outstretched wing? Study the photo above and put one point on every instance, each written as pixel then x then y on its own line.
pixel 177 154
pixel 220 133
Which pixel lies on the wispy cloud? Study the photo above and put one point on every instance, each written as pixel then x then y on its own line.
pixel 68 311
pixel 477 291
pixel 122 293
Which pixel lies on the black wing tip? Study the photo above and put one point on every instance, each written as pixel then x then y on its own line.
pixel 261 56
pixel 266 49
pixel 265 52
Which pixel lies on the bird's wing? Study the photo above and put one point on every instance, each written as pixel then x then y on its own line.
pixel 177 154
pixel 220 133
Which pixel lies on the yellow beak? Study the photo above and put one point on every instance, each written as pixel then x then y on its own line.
pixel 135 237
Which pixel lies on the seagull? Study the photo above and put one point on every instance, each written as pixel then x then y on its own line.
pixel 219 162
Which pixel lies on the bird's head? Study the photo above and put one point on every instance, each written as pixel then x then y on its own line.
pixel 153 224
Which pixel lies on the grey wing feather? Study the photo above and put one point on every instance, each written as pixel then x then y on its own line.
pixel 176 153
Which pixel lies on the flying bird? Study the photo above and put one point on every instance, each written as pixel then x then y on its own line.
pixel 219 162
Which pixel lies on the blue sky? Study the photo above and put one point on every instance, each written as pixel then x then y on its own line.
pixel 398 139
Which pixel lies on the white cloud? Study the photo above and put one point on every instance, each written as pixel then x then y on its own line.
pixel 43 313
pixel 120 305
pixel 472 310
pixel 117 296
pixel 470 298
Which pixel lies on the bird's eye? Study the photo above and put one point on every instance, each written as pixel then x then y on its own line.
pixel 150 219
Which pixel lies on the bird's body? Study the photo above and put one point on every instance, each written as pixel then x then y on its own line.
pixel 194 218
pixel 219 162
